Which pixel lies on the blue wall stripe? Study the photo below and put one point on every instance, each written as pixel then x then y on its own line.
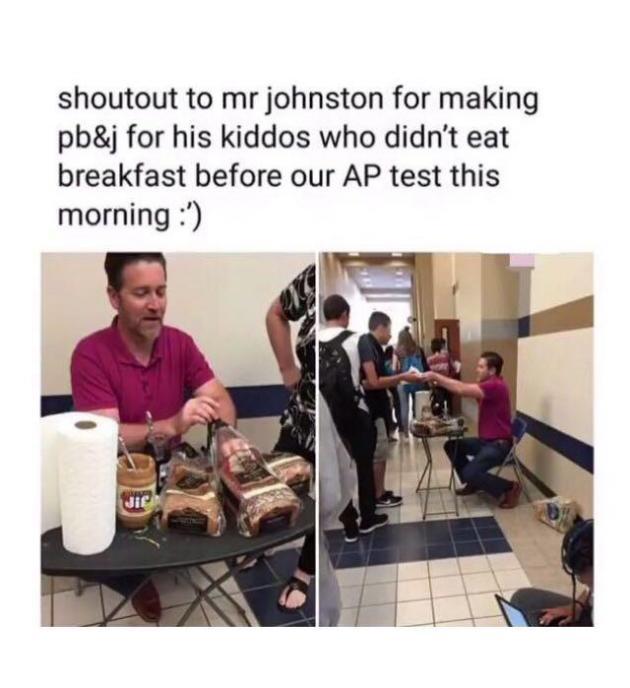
pixel 255 401
pixel 524 326
pixel 573 449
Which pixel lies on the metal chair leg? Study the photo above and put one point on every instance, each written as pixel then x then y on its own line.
pixel 78 587
pixel 521 479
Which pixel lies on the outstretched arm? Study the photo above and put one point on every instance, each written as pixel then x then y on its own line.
pixel 462 389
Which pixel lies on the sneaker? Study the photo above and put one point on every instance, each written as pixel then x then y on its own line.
pixel 394 436
pixel 378 521
pixel 388 499
pixel 510 498
pixel 351 534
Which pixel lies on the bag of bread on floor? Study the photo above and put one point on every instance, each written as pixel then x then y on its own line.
pixel 261 502
pixel 190 497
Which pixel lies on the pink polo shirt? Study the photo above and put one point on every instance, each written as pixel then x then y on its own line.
pixel 105 375
pixel 495 413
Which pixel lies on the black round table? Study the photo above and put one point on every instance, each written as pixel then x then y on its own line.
pixel 152 550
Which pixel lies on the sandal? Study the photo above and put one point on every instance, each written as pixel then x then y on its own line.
pixel 294 584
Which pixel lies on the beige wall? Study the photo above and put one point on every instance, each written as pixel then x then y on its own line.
pixel 423 283
pixel 443 280
pixel 555 375
pixel 333 279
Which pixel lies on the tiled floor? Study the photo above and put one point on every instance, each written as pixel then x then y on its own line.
pixel 255 590
pixel 446 570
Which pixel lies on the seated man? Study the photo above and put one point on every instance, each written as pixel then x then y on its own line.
pixel 138 364
pixel 495 431
pixel 546 608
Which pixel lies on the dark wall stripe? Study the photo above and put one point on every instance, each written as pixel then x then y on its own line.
pixel 523 326
pixel 574 315
pixel 256 401
pixel 573 449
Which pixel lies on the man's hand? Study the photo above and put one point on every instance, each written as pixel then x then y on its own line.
pixel 429 376
pixel 291 377
pixel 565 614
pixel 197 411
pixel 412 376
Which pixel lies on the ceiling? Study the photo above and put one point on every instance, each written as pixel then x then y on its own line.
pixel 381 275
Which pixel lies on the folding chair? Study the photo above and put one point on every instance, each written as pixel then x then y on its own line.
pixel 519 427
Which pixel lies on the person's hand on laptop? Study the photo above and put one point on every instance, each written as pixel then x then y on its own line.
pixel 563 615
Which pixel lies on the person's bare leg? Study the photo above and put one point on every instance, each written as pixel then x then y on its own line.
pixel 379 478
pixel 295 598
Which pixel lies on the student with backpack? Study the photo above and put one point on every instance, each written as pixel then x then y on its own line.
pixel 339 384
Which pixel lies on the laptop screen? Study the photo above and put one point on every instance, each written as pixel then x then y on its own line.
pixel 513 616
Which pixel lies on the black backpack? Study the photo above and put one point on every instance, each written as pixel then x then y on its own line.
pixel 336 384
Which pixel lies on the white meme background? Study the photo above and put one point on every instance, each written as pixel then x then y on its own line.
pixel 563 189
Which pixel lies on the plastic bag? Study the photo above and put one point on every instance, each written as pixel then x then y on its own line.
pixel 434 427
pixel 293 470
pixel 190 498
pixel 557 512
pixel 261 501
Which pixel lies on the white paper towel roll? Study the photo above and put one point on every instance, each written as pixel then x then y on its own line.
pixel 86 450
pixel 51 508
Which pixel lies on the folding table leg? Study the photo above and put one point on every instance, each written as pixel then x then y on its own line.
pixel 119 606
pixel 427 450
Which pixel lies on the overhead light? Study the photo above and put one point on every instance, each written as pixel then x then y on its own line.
pixel 399 272
pixel 354 255
pixel 364 271
pixel 397 255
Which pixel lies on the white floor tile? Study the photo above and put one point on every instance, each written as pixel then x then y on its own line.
pixel 351 596
pixel 490 621
pixel 416 613
pixel 380 593
pixel 215 570
pixel 111 599
pixel 132 621
pixel 480 582
pixel 475 564
pixel 447 586
pixel 46 610
pixel 451 608
pixel 443 567
pixel 377 615
pixel 413 570
pixel 386 573
pixel 173 590
pixel 512 579
pixel 346 577
pixel 70 610
pixel 506 561
pixel 348 617
pixel 227 607
pixel 414 590
pixel 484 604
pixel 460 622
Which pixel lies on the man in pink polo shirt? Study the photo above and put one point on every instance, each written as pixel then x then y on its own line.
pixel 495 431
pixel 138 364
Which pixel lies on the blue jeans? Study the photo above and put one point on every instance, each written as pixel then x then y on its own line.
pixel 487 454
pixel 405 393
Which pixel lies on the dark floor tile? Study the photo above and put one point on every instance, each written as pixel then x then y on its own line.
pixel 284 562
pixel 418 553
pixel 496 546
pixel 490 533
pixel 385 537
pixel 351 560
pixel 457 524
pixel 257 577
pixel 383 556
pixel 264 605
pixel 361 545
pixel 465 535
pixel 335 535
pixel 439 537
pixel 468 549
pixel 484 521
pixel 335 548
pixel 442 551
